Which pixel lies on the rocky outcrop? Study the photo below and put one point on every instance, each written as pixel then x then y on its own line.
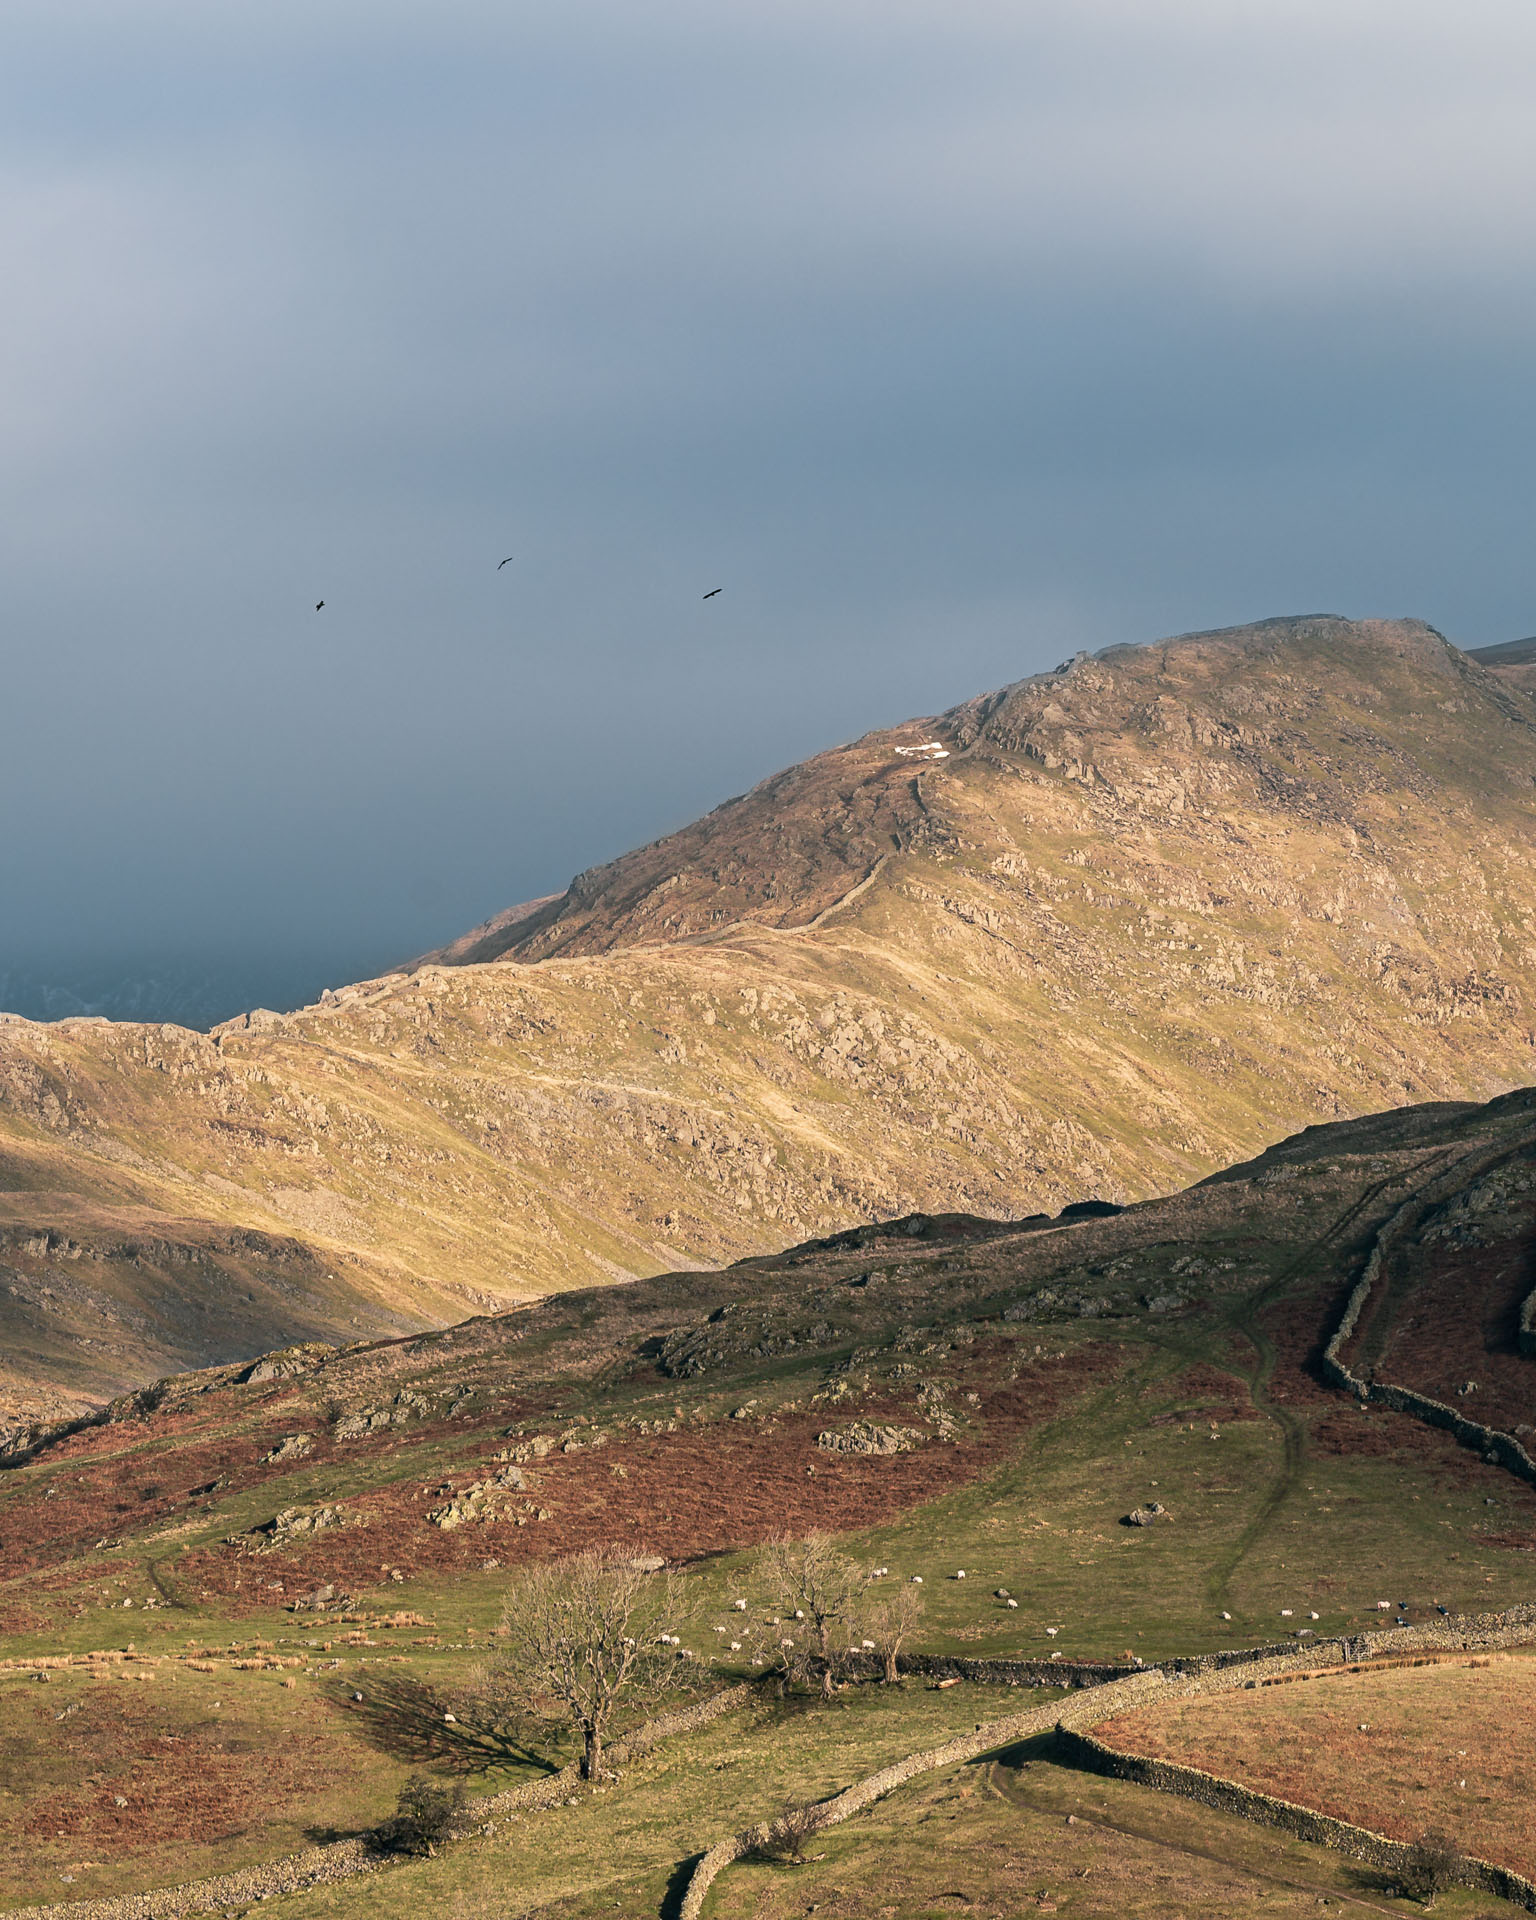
pixel 299 1523
pixel 865 1436
pixel 484 1500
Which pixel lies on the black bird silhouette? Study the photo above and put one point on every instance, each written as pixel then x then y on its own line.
pixel 505 562
pixel 713 591
pixel 318 605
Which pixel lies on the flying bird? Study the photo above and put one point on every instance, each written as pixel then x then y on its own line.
pixel 713 591
pixel 510 557
pixel 318 605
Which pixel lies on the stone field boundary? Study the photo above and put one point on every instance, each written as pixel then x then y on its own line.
pixel 1203 1674
pixel 1096 1692
pixel 1088 1755
pixel 1496 1447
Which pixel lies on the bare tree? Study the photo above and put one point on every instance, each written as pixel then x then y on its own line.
pixel 583 1636
pixel 819 1586
pixel 890 1619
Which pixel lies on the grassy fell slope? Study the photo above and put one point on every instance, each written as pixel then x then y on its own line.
pixel 1051 1376
pixel 1150 911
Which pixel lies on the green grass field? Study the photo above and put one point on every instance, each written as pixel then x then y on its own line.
pixel 1289 1511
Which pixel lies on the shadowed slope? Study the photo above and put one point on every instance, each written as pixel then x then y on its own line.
pixel 1514 661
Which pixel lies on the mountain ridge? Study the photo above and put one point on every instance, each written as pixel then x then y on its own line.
pixel 1146 914
pixel 877 818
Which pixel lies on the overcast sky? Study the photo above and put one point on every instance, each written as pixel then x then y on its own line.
pixel 947 337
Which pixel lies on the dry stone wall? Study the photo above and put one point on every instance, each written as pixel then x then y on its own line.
pixel 1496 1447
pixel 1199 1674
pixel 1095 1703
pixel 1081 1750
pixel 997 1673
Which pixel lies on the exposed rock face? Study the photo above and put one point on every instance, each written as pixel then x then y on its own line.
pixel 1150 912
pixel 289 1363
pixel 482 1501
pixel 865 1437
pixel 296 1523
pixel 405 1408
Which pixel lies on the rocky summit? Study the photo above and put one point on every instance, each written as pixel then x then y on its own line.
pixel 1092 935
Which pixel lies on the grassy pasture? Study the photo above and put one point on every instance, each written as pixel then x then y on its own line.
pixel 1399 1750
pixel 619 1846
pixel 1283 1501
pixel 1410 1520
pixel 993 1841
pixel 213 1770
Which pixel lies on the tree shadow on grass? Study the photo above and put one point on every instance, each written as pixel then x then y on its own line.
pixel 1377 1880
pixel 328 1836
pixel 407 1719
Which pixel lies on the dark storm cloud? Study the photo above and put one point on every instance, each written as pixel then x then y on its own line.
pixel 947 338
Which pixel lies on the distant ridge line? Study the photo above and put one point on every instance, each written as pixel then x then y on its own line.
pixel 1507 653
